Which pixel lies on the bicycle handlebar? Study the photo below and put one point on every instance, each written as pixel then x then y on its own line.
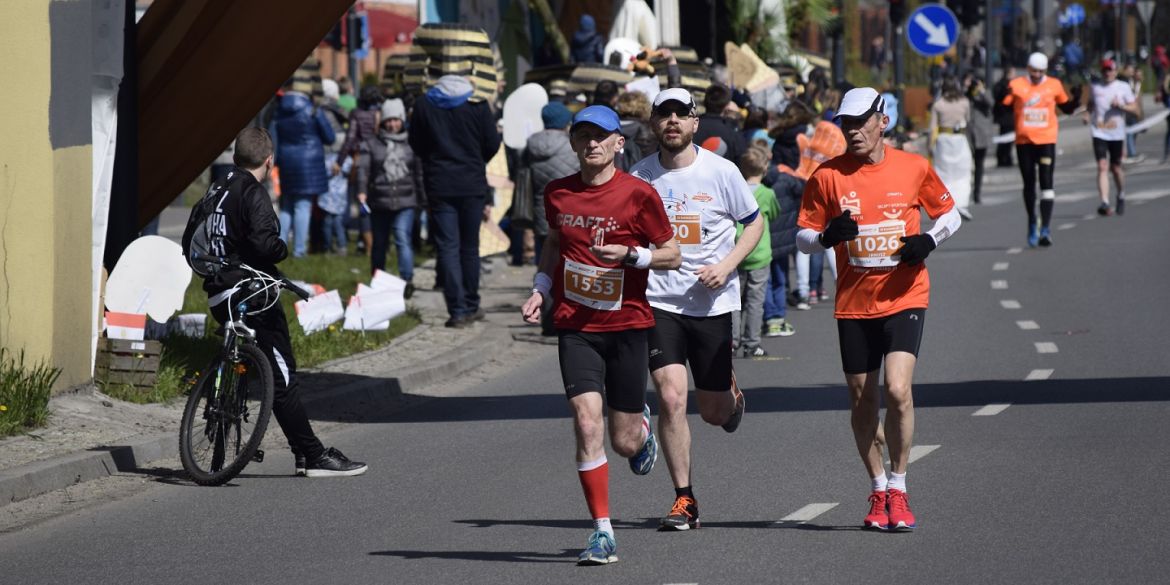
pixel 296 290
pixel 284 281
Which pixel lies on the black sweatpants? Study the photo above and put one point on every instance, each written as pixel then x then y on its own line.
pixel 273 339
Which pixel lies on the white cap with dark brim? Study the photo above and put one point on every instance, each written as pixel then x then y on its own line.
pixel 1038 61
pixel 860 102
pixel 676 94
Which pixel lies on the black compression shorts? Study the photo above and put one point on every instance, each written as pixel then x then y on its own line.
pixel 703 342
pixel 1113 148
pixel 864 342
pixel 611 362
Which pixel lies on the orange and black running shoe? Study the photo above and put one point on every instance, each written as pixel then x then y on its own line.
pixel 684 515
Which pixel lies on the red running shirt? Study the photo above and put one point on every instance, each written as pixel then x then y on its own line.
pixel 591 295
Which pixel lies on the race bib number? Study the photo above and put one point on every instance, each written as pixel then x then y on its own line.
pixel 688 228
pixel 1035 117
pixel 876 243
pixel 596 288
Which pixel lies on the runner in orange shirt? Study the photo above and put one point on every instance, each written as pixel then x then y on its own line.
pixel 1034 100
pixel 866 205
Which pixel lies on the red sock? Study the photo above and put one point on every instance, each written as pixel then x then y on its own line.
pixel 594 476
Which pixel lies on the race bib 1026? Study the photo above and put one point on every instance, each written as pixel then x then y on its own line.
pixel 876 243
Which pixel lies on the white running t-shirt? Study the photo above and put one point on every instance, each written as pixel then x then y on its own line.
pixel 703 202
pixel 1108 122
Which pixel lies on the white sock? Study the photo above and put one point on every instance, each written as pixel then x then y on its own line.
pixel 879 483
pixel 897 482
pixel 603 525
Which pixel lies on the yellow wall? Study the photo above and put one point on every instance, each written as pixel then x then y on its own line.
pixel 45 199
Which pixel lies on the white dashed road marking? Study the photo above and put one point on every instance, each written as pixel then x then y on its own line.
pixel 1046 347
pixel 809 512
pixel 1090 216
pixel 919 451
pixel 1038 375
pixel 1009 304
pixel 999 285
pixel 1066 226
pixel 1014 250
pixel 1027 325
pixel 1000 266
pixel 991 410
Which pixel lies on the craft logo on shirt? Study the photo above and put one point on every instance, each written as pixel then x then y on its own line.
pixel 583 221
pixel 850 203
pixel 945 196
pixel 1035 99
pixel 894 194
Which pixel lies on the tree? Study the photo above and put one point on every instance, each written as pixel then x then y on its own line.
pixel 760 24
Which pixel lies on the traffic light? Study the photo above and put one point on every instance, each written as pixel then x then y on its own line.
pixel 897 11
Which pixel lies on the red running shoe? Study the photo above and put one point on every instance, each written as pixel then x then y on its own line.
pixel 878 518
pixel 901 518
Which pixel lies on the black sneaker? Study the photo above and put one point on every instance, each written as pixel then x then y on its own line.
pixel 299 466
pixel 684 515
pixel 1103 210
pixel 740 403
pixel 459 322
pixel 1121 207
pixel 332 463
pixel 409 291
pixel 478 315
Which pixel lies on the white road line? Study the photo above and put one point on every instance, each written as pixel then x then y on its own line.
pixel 1046 347
pixel 1014 250
pixel 919 451
pixel 1066 226
pixel 1009 304
pixel 1027 325
pixel 991 410
pixel 1090 216
pixel 1038 375
pixel 1000 266
pixel 999 285
pixel 809 512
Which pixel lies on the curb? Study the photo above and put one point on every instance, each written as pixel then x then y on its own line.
pixel 33 479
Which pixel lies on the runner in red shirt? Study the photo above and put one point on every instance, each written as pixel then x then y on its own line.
pixel 866 205
pixel 602 224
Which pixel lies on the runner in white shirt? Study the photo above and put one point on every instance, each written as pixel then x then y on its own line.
pixel 704 196
pixel 1109 101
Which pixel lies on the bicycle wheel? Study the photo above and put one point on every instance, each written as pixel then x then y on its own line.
pixel 226 416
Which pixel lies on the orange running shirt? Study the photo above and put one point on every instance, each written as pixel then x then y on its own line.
pixel 1034 106
pixel 885 200
pixel 827 142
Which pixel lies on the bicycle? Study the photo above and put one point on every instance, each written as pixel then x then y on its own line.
pixel 230 405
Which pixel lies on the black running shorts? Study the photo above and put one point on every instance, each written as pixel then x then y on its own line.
pixel 1112 147
pixel 864 342
pixel 703 342
pixel 611 362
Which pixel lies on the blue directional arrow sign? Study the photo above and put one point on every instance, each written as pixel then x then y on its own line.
pixel 932 30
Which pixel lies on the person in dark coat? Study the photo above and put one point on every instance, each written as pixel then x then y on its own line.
pixel 587 45
pixel 1004 118
pixel 549 156
pixel 299 132
pixel 455 138
pixel 390 183
pixel 716 133
pixel 788 189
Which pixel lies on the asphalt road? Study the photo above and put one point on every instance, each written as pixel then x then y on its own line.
pixel 1040 452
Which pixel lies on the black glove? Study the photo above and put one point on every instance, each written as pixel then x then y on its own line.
pixel 915 249
pixel 841 229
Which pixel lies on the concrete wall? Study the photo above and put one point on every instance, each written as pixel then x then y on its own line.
pixel 46 184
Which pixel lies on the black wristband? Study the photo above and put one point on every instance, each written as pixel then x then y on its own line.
pixel 631 258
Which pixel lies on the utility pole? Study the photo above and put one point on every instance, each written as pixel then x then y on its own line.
pixel 352 44
pixel 990 32
pixel 897 16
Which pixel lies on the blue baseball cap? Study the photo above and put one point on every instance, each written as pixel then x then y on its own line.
pixel 600 116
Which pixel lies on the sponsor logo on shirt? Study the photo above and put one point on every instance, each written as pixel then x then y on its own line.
pixel 582 221
pixel 850 203
pixel 702 197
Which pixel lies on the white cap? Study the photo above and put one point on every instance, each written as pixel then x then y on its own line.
pixel 677 94
pixel 860 102
pixel 1038 61
pixel 393 108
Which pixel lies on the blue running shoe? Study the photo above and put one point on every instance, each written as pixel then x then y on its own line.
pixel 1033 240
pixel 642 462
pixel 1045 237
pixel 602 550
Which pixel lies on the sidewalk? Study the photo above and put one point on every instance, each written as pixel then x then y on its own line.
pixel 91 436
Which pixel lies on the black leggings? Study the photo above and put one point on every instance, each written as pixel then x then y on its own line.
pixel 980 155
pixel 1030 156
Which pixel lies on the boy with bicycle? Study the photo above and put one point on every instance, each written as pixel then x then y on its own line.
pixel 249 233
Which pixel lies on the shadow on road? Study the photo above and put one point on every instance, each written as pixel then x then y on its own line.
pixel 652 524
pixel 408 408
pixel 477 555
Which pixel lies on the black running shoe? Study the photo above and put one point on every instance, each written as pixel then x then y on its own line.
pixel 1121 206
pixel 299 466
pixel 684 515
pixel 332 463
pixel 737 415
